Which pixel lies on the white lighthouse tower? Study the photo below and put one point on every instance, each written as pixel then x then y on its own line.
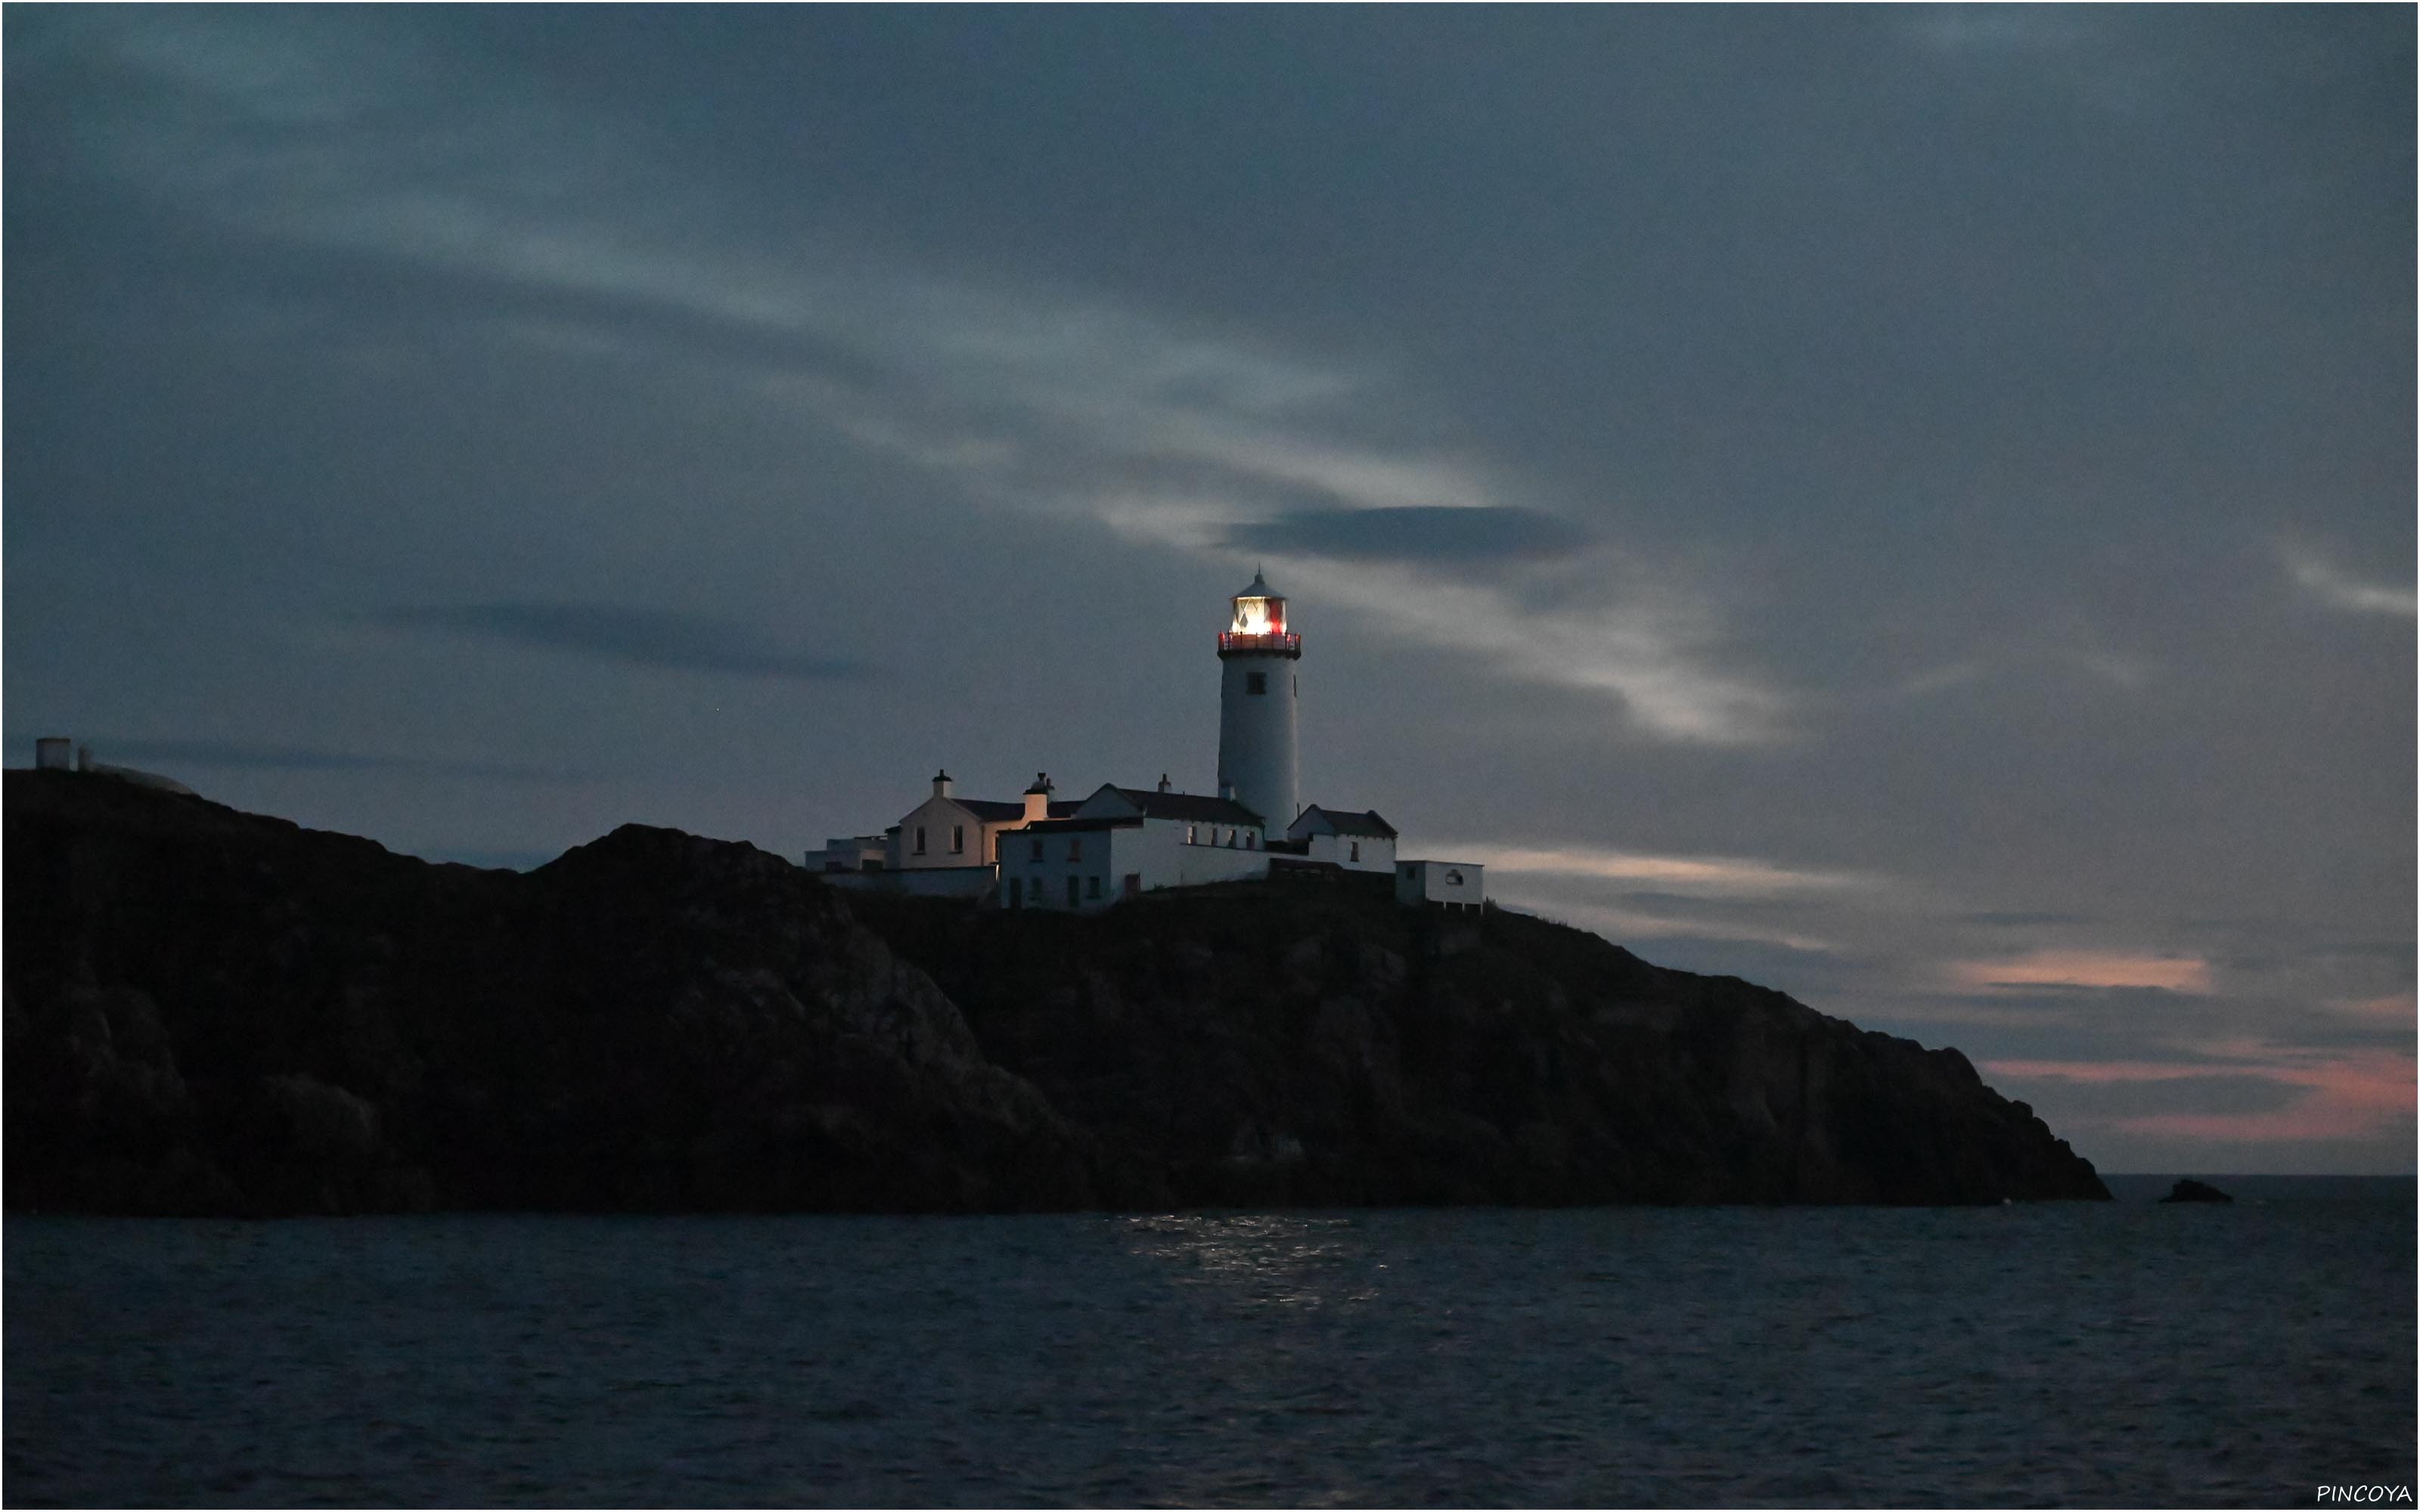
pixel 1259 686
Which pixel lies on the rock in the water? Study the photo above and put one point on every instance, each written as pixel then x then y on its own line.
pixel 2192 1190
pixel 213 1011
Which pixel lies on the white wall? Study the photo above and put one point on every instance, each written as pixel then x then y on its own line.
pixel 938 816
pixel 1200 864
pixel 1098 861
pixel 1169 861
pixel 1152 851
pixel 995 834
pixel 1256 741
pixel 1461 883
pixel 1377 853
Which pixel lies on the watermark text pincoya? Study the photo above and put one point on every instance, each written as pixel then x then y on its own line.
pixel 2368 1495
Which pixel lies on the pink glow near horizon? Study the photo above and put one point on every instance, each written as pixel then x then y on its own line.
pixel 2351 1096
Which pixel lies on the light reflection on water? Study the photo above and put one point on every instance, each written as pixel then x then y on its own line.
pixel 1266 1260
pixel 2097 1354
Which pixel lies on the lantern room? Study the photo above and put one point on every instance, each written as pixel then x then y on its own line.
pixel 1259 624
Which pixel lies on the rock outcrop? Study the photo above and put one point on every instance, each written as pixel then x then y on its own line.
pixel 215 1012
pixel 2190 1190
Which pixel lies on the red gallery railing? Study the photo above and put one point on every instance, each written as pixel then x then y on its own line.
pixel 1285 644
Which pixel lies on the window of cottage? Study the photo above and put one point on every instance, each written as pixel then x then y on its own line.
pixel 1357 851
pixel 1037 847
pixel 1092 886
pixel 1075 848
pixel 1072 899
pixel 1188 835
pixel 920 839
pixel 957 839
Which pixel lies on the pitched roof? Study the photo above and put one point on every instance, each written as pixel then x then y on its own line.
pixel 1365 822
pixel 1190 806
pixel 1063 827
pixel 992 810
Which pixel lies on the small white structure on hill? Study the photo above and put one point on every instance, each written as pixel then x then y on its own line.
pixel 50 755
pixel 1121 842
pixel 1356 842
pixel 1448 884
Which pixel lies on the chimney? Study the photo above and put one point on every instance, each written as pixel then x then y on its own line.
pixel 941 783
pixel 1038 798
pixel 1226 791
pixel 1163 781
pixel 51 753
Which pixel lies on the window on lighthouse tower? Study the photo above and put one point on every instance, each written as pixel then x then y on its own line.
pixel 1256 682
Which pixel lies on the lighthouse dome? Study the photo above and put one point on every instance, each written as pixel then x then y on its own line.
pixel 1258 611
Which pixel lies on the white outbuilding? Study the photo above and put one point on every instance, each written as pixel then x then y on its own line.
pixel 1445 884
pixel 1356 842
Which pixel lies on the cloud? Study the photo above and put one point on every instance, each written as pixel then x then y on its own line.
pixel 1663 897
pixel 1689 875
pixel 2392 1006
pixel 2337 589
pixel 2066 644
pixel 2083 968
pixel 1049 399
pixel 233 755
pixel 1413 534
pixel 624 632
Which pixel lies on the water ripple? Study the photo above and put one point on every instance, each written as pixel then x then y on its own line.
pixel 2046 1355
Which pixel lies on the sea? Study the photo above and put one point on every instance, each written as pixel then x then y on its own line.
pixel 2127 1353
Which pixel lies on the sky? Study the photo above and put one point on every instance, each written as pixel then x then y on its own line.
pixel 1913 507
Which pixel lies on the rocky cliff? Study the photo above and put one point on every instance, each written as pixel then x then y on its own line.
pixel 208 1012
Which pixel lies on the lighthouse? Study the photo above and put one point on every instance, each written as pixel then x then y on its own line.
pixel 1259 687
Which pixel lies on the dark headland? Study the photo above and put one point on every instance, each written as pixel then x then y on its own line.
pixel 215 1012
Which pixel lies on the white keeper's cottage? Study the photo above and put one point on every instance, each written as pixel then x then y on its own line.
pixel 1118 842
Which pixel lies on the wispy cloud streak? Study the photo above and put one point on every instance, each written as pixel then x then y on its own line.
pixel 2339 590
pixel 2083 968
pixel 1047 399
pixel 1700 875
